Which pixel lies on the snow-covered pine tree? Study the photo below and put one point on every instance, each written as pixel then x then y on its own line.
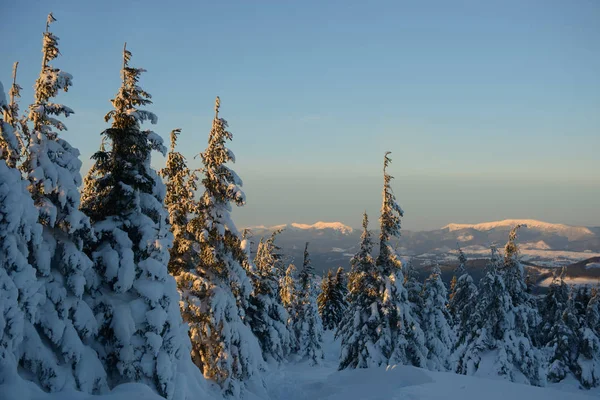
pixel 589 337
pixel 526 355
pixel 266 314
pixel 325 302
pixel 401 339
pixel 223 345
pixel 358 328
pixel 11 143
pixel 553 305
pixel 414 288
pixel 288 291
pixel 181 186
pixel 487 322
pixel 56 347
pixel 436 322
pixel 20 291
pixel 332 299
pixel 462 302
pixel 495 334
pixel 340 295
pixel 307 325
pixel 141 336
pixel 560 332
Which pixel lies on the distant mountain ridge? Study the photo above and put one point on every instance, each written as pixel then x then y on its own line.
pixel 568 231
pixel 542 244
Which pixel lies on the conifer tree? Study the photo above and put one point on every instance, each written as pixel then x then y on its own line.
pixel 341 284
pixel 332 299
pixel 553 305
pixel 463 296
pixel 414 288
pixel 589 339
pixel 141 336
pixel 358 328
pixel 560 332
pixel 56 347
pixel 325 301
pixel 288 291
pixel 307 324
pixel 401 339
pixel 218 288
pixel 11 143
pixel 436 322
pixel 20 291
pixel 181 185
pixel 494 334
pixel 266 314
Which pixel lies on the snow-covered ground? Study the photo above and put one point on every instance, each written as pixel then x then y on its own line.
pixel 300 381
pixel 303 382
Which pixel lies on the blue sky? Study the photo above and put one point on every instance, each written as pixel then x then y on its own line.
pixel 491 108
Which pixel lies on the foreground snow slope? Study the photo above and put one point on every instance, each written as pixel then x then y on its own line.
pixel 302 382
pixel 299 381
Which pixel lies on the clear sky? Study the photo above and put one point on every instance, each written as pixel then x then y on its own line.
pixel 491 108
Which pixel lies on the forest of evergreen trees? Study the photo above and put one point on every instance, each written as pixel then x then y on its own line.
pixel 128 274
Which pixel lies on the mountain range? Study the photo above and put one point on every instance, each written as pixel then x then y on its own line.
pixel 544 246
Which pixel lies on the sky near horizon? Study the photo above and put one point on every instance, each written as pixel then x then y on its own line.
pixel 491 108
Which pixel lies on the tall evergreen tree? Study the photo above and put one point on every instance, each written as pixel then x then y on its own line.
pixel 560 332
pixel 401 339
pixel 56 347
pixel 20 291
pixel 11 144
pixel 325 301
pixel 266 314
pixel 358 328
pixel 218 288
pixel 462 300
pixel 141 336
pixel 589 350
pixel 341 284
pixel 436 322
pixel 497 332
pixel 414 288
pixel 181 186
pixel 307 324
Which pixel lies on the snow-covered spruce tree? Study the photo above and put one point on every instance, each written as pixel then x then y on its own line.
pixel 487 322
pixel 553 305
pixel 589 350
pixel 358 328
pixel 307 324
pixel 462 299
pixel 401 339
pixel 325 302
pixel 11 142
pixel 341 284
pixel 141 336
pixel 266 315
pixel 436 322
pixel 526 355
pixel 181 186
pixel 340 295
pixel 289 293
pixel 20 232
pixel 56 347
pixel 223 345
pixel 414 287
pixel 493 334
pixel 561 332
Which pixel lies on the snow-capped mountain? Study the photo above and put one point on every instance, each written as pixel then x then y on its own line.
pixel 542 244
pixel 570 232
pixel 317 226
